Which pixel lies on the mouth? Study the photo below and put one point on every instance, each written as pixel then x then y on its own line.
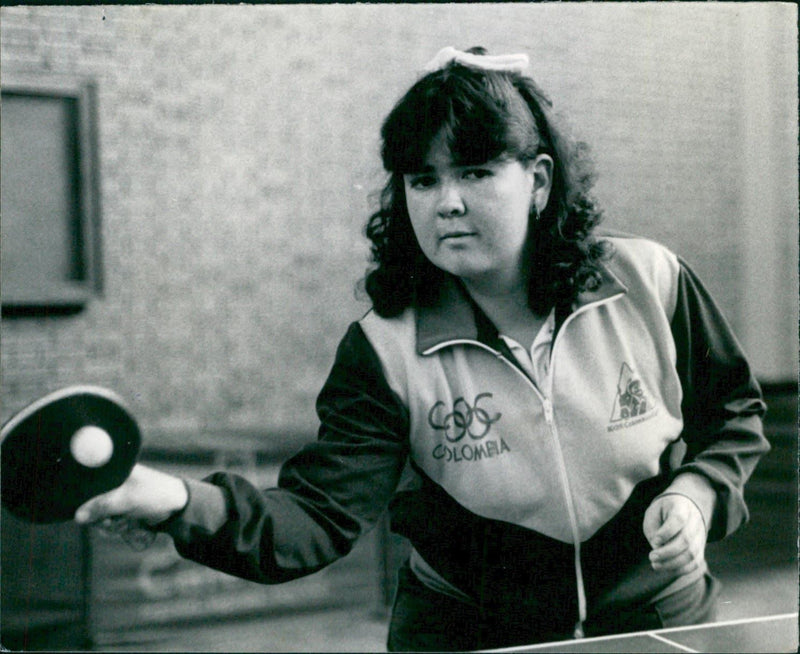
pixel 454 236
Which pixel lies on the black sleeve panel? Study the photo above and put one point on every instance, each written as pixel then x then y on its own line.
pixel 328 494
pixel 722 403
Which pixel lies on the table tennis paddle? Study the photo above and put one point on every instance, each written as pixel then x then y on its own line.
pixel 65 448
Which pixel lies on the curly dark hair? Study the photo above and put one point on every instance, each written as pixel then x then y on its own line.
pixel 483 115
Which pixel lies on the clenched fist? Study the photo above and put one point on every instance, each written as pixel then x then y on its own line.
pixel 674 527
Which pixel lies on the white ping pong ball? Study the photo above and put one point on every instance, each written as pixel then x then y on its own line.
pixel 91 446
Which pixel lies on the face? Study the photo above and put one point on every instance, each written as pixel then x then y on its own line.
pixel 472 221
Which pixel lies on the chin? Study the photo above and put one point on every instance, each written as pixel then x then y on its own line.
pixel 466 273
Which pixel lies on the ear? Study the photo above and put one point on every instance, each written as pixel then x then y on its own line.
pixel 541 171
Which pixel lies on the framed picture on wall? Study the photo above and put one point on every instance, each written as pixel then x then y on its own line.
pixel 50 260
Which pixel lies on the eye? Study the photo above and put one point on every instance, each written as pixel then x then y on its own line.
pixel 421 181
pixel 477 173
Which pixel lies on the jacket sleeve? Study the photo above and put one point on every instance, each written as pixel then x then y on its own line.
pixel 722 410
pixel 328 493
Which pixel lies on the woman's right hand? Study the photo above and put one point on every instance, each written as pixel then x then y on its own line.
pixel 147 495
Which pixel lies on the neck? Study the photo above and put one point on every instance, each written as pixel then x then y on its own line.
pixel 510 298
pixel 501 286
pixel 508 310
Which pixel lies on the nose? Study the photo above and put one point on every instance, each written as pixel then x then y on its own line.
pixel 450 203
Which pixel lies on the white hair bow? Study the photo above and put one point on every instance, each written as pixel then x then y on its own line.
pixel 514 63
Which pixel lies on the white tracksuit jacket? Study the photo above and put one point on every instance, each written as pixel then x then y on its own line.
pixel 526 500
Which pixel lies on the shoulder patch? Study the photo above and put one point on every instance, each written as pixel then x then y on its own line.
pixel 633 403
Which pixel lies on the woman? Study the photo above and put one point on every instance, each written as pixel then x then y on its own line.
pixel 557 422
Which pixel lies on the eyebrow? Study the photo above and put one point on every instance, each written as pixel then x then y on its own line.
pixel 426 170
pixel 432 169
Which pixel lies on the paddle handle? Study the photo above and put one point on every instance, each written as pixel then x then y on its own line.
pixel 137 537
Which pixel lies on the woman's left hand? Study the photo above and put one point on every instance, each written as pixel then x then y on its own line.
pixel 674 527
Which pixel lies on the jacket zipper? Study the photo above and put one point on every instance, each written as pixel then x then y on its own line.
pixel 548 413
pixel 547 407
pixel 573 519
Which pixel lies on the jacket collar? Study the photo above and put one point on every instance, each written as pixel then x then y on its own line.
pixel 454 316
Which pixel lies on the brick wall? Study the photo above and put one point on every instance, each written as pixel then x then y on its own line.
pixel 238 151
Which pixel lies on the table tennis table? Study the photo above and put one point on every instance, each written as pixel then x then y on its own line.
pixel 775 633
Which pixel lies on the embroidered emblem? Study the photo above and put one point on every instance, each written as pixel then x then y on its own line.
pixel 465 420
pixel 459 422
pixel 631 404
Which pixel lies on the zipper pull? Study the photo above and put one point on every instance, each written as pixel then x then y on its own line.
pixel 578 634
pixel 548 411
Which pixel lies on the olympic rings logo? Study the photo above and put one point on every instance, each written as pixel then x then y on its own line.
pixel 459 422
